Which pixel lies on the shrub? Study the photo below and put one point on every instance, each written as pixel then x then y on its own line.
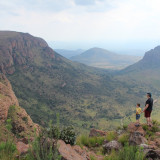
pixel 25 119
pixel 155 122
pixel 84 140
pixel 111 136
pixel 155 129
pixel 145 127
pixel 43 148
pixel 54 132
pixel 68 135
pixel 123 139
pixel 127 153
pixel 92 157
pixel 125 127
pixel 9 124
pixel 7 150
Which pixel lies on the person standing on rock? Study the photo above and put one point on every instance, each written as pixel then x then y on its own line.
pixel 148 109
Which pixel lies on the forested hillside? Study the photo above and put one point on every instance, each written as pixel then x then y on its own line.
pixel 47 83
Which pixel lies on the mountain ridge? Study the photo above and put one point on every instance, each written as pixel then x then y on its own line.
pixel 150 60
pixel 46 83
pixel 103 58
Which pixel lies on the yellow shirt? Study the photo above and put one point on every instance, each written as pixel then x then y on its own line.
pixel 138 110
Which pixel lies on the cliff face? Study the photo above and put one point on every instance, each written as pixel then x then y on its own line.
pixel 18 48
pixel 7 98
pixel 152 57
pixel 22 124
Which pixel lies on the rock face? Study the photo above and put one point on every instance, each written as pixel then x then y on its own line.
pixel 150 61
pixel 132 128
pixel 22 148
pixel 7 98
pixel 152 57
pixel 157 134
pixel 95 132
pixel 22 124
pixel 152 154
pixel 137 138
pixel 113 145
pixel 17 49
pixel 68 153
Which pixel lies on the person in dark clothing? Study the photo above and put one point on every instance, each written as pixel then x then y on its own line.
pixel 148 109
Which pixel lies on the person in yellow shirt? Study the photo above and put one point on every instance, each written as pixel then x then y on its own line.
pixel 138 114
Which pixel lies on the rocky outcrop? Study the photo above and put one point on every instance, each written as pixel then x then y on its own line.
pixel 152 57
pixel 18 48
pixel 132 128
pixel 157 134
pixel 137 138
pixel 152 154
pixel 95 132
pixel 113 145
pixel 22 148
pixel 68 153
pixel 22 124
pixel 7 98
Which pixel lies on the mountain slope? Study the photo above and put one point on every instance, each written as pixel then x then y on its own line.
pixel 22 125
pixel 102 58
pixel 146 70
pixel 47 83
pixel 69 53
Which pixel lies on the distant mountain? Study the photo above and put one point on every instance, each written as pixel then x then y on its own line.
pixel 46 83
pixel 102 58
pixel 69 53
pixel 146 71
pixel 151 60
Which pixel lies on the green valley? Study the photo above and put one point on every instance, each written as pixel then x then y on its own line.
pixel 46 83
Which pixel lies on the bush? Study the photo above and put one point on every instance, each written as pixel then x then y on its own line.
pixel 125 127
pixel 25 119
pixel 92 157
pixel 68 135
pixel 155 122
pixel 7 150
pixel 145 127
pixel 43 148
pixel 9 124
pixel 155 129
pixel 84 140
pixel 123 139
pixel 127 153
pixel 54 132
pixel 111 136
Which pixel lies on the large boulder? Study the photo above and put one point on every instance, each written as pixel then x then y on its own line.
pixel 113 145
pixel 22 148
pixel 157 141
pixel 152 154
pixel 157 134
pixel 132 128
pixel 146 146
pixel 137 138
pixel 95 133
pixel 69 153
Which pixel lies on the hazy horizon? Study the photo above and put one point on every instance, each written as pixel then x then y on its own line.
pixel 116 25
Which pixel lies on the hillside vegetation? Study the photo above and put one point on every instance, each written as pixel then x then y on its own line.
pixel 47 83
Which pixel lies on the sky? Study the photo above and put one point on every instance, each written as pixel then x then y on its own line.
pixel 118 25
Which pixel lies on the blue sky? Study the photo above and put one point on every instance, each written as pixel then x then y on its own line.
pixel 117 25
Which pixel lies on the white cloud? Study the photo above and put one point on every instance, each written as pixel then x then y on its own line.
pixel 95 21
